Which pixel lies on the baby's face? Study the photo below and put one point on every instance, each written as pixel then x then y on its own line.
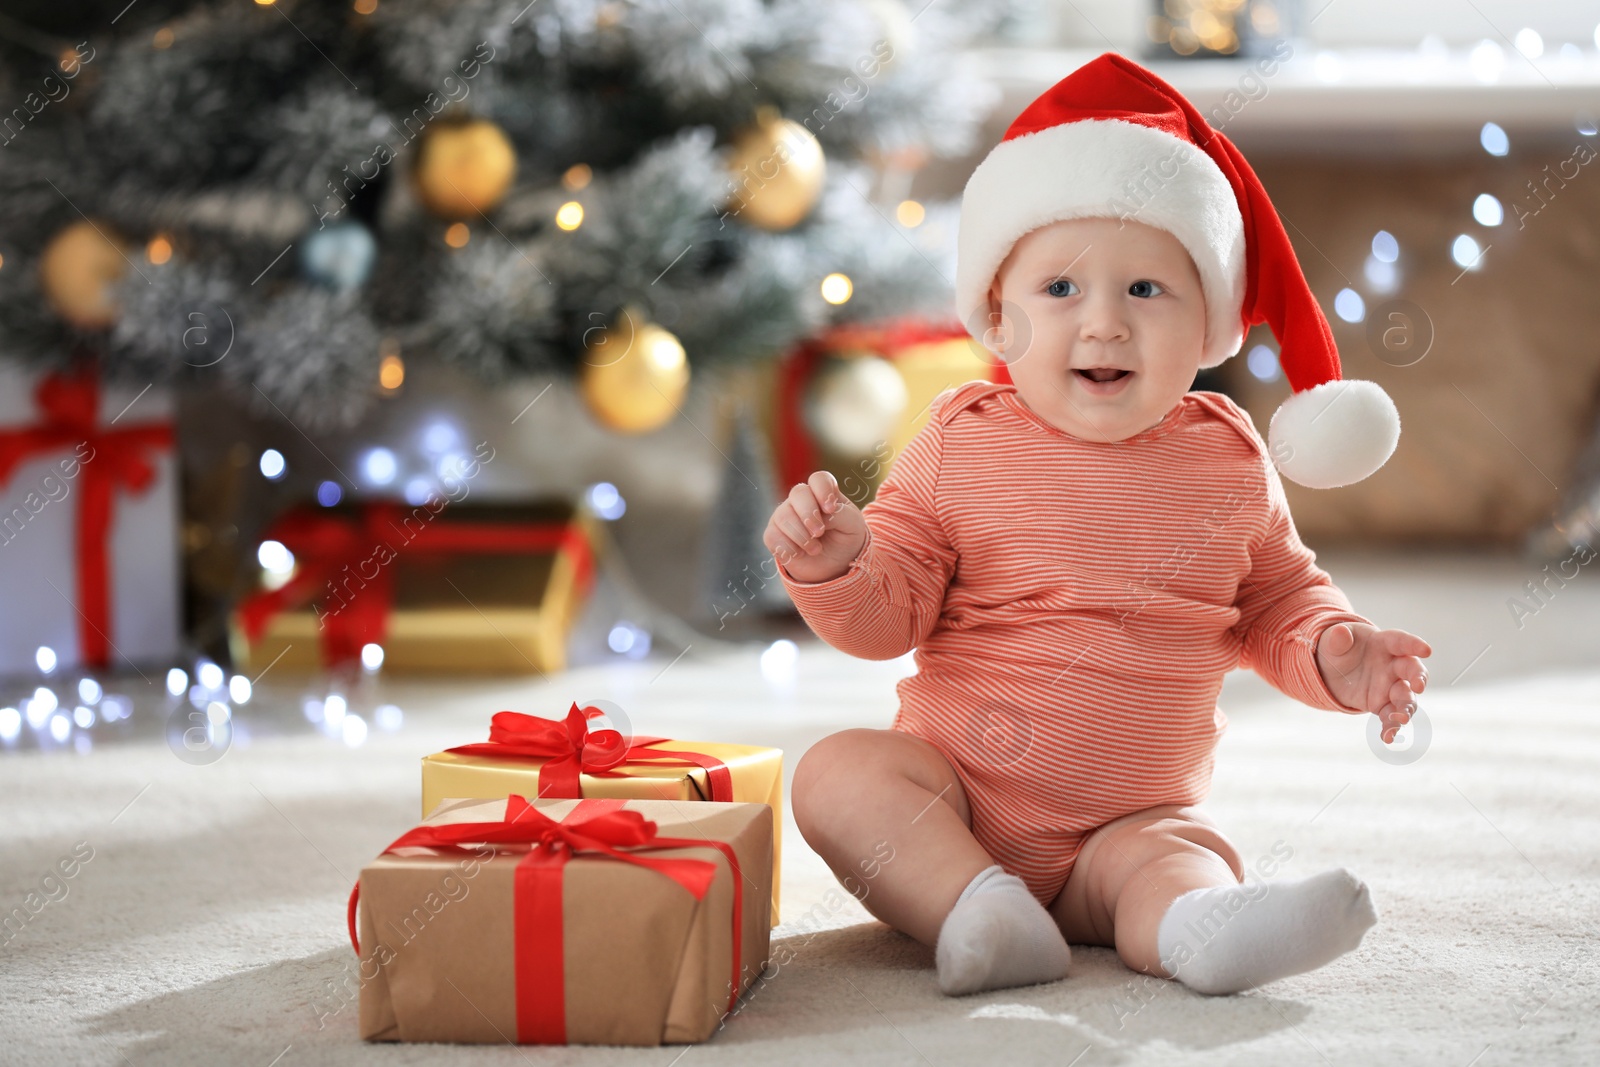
pixel 1099 293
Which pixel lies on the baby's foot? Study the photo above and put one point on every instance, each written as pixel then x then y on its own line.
pixel 998 935
pixel 1222 939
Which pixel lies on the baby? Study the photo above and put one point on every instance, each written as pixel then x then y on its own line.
pixel 1079 556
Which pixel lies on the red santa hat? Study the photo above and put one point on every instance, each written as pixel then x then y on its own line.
pixel 1113 140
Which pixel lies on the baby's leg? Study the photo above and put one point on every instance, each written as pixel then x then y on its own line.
pixel 888 814
pixel 862 795
pixel 1167 884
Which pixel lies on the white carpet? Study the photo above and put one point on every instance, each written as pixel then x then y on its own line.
pixel 210 922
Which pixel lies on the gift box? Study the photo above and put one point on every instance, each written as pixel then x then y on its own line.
pixel 584 755
pixel 593 921
pixel 441 587
pixel 929 357
pixel 88 522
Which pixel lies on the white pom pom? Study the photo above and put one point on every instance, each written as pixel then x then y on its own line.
pixel 1334 434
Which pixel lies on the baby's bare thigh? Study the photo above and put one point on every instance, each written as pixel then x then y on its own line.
pixel 1115 853
pixel 846 769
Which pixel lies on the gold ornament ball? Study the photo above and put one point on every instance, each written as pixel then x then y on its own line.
pixel 464 168
pixel 777 168
pixel 634 374
pixel 77 270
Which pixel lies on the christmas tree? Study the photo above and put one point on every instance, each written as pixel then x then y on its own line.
pixel 298 197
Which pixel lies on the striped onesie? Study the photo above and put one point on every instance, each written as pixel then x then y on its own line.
pixel 1074 606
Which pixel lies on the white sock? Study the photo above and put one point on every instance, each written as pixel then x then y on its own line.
pixel 1222 939
pixel 998 935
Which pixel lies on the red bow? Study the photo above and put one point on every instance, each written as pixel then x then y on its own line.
pixel 570 748
pixel 797 452
pixel 592 826
pixel 70 404
pixel 325 545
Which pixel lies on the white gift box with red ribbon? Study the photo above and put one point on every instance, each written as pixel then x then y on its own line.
pixel 90 556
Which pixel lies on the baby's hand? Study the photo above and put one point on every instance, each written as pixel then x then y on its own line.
pixel 816 533
pixel 1374 670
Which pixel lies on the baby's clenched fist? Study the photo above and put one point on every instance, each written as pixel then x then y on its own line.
pixel 817 532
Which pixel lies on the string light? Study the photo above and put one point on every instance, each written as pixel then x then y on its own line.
pixel 276 559
pixel 569 216
pixel 836 288
pixel 391 372
pixel 1488 210
pixel 159 250
pixel 209 674
pixel 366 7
pixel 391 369
pixel 778 661
pixel 457 235
pixel 1349 306
pixel 380 466
pixel 1465 251
pixel 577 176
pixel 605 501
pixel 910 213
pixel 1385 247
pixel 1263 363
pixel 1487 59
pixel 1494 139
pixel 272 464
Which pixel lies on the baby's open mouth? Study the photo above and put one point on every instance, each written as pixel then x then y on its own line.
pixel 1101 374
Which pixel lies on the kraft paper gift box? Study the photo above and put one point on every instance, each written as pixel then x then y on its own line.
pixel 88 522
pixel 593 921
pixel 535 756
pixel 445 588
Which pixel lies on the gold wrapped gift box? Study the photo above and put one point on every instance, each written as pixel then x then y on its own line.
pixel 501 612
pixel 643 962
pixel 757 778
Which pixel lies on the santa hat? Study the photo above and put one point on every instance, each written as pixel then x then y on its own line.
pixel 1113 140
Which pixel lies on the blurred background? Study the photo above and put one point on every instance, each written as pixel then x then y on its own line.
pixel 361 341
pixel 368 367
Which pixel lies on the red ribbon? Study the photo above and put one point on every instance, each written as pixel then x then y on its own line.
pixel 592 826
pixel 797 452
pixel 570 748
pixel 70 405
pixel 324 545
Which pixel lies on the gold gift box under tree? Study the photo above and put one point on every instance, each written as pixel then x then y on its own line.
pixel 508 610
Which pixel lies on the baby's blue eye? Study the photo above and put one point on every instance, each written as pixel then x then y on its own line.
pixel 1059 287
pixel 1135 290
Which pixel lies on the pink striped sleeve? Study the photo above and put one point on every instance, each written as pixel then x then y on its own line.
pixel 1286 602
pixel 893 593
